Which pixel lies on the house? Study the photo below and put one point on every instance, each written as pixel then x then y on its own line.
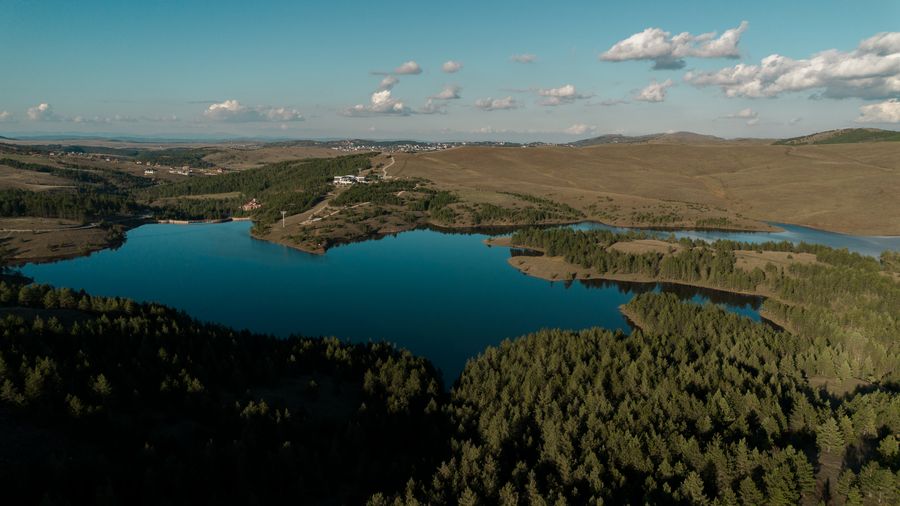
pixel 252 205
pixel 149 172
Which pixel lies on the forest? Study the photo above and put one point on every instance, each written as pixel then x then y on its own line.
pixel 846 306
pixel 105 400
pixel 700 407
pixel 80 205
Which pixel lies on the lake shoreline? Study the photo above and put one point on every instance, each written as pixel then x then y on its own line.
pixel 556 269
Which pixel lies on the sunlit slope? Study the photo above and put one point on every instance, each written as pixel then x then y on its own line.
pixel 849 188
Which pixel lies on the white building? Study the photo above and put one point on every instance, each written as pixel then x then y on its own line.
pixel 349 179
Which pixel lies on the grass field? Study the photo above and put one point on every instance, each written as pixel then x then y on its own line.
pixel 850 188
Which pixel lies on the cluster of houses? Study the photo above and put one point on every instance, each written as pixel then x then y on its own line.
pixel 77 154
pixel 349 179
pixel 410 147
pixel 185 170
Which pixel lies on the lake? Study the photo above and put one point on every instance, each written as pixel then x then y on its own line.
pixel 442 296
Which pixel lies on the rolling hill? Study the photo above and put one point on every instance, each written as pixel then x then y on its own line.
pixel 658 138
pixel 843 136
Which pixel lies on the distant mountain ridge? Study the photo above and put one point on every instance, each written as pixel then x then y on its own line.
pixel 843 136
pixel 659 138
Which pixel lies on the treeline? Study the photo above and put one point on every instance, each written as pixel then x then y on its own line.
pixel 101 179
pixel 105 400
pixel 175 157
pixel 845 306
pixel 80 205
pixel 76 175
pixel 544 210
pixel 255 183
pixel 199 209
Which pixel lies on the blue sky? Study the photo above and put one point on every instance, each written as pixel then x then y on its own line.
pixel 308 70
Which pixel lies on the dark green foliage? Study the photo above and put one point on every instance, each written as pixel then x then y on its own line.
pixel 848 135
pixel 696 408
pixel 200 209
pixel 176 157
pixel 146 406
pixel 79 176
pixel 285 186
pixel 845 307
pixel 273 178
pixel 80 205
pixel 543 210
pixel 382 193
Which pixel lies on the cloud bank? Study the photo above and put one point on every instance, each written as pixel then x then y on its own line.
pixel 235 112
pixel 42 112
pixel 496 104
pixel 668 51
pixel 871 71
pixel 884 112
pixel 565 94
pixel 449 92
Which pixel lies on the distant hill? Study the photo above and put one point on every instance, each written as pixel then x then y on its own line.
pixel 660 138
pixel 844 136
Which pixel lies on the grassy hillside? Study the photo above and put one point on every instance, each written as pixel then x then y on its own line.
pixel 843 136
pixel 847 188
pixel 661 138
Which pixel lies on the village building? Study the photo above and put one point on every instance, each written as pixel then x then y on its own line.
pixel 252 205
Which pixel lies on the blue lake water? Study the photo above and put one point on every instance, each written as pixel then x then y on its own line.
pixel 443 296
pixel 865 245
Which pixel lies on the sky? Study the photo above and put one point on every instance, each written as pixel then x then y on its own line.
pixel 500 70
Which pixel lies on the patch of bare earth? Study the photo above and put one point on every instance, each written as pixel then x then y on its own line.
pixel 641 246
pixel 749 260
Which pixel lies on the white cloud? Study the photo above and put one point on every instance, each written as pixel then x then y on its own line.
pixel 496 104
pixel 388 83
pixel 408 68
pixel 450 92
pixel 654 92
pixel 557 96
pixel 669 51
pixel 871 71
pixel 234 111
pixel 42 112
pixel 381 102
pixel 523 58
pixel 451 66
pixel 581 129
pixel 884 112
pixel 432 107
pixel 747 113
pixel 5 116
